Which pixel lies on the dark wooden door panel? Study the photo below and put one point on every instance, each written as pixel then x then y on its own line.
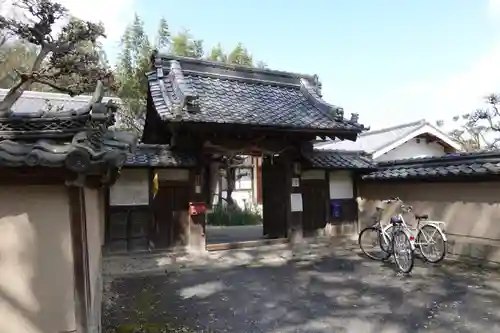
pixel 128 228
pixel 168 203
pixel 274 198
pixel 314 193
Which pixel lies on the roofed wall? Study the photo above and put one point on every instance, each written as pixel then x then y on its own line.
pixel 471 211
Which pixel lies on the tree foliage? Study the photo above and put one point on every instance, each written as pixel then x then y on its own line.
pixel 480 129
pixel 240 56
pixel 134 57
pixel 185 45
pixel 69 62
pixel 15 56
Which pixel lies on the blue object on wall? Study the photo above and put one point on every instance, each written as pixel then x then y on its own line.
pixel 335 208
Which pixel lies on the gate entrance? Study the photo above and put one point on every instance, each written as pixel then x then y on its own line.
pixel 170 215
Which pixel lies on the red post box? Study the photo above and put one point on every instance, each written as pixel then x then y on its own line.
pixel 196 208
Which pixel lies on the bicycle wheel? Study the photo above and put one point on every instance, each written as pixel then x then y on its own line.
pixel 403 253
pixel 385 242
pixel 369 243
pixel 431 243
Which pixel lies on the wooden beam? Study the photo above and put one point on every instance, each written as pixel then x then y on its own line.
pixel 78 226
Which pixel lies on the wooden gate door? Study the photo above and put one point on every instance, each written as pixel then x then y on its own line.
pixel 170 206
pixel 128 228
pixel 274 199
pixel 315 200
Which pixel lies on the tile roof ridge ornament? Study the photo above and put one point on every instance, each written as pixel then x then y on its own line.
pixel 312 91
pixel 188 97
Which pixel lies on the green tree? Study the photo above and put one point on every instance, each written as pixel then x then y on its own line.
pixel 15 57
pixel 185 45
pixel 217 54
pixel 477 130
pixel 240 56
pixel 69 62
pixel 163 35
pixel 133 63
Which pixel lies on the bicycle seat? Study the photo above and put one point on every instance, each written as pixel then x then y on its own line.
pixel 396 220
pixel 421 216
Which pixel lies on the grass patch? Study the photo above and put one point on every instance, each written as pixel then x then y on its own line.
pixel 144 310
pixel 152 328
pixel 234 215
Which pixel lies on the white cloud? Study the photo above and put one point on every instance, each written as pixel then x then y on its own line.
pixel 114 14
pixel 494 7
pixel 434 98
pixel 464 91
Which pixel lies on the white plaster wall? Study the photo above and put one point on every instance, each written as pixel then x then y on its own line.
pixel 412 149
pixel 341 186
pixel 131 188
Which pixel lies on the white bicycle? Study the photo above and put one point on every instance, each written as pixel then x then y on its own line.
pixel 428 236
pixel 386 241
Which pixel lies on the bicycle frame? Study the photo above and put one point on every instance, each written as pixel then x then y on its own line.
pixel 405 229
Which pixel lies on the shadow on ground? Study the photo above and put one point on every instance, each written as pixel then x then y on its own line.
pixel 315 289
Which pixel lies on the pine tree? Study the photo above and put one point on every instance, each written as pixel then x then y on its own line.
pixel 240 56
pixel 163 35
pixel 69 62
pixel 217 54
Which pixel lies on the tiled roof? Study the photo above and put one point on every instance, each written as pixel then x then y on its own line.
pixel 373 141
pixel 192 90
pixel 158 156
pixel 337 159
pixel 34 101
pixel 464 164
pixel 77 138
pixel 76 156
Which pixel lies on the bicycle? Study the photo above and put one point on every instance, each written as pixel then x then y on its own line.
pixel 399 243
pixel 428 234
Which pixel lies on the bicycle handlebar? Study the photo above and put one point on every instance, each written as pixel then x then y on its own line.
pixel 406 208
pixel 391 200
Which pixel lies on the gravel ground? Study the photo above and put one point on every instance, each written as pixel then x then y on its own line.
pixel 321 287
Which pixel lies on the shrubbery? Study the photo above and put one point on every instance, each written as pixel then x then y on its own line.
pixel 232 215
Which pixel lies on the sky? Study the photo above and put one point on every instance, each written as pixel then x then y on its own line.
pixel 390 61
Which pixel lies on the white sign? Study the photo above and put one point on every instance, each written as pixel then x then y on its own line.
pixel 295 182
pixel 296 202
pixel 131 189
